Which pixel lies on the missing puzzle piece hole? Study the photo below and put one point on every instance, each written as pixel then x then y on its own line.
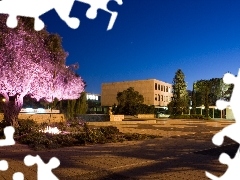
pixel 229 78
pixel 224 159
pixel 38 24
pixel 114 5
pixel 3 165
pixel 218 139
pixel 18 176
pixel 91 13
pixel 12 21
pixel 73 22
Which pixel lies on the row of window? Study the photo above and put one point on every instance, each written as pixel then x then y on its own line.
pixel 162 88
pixel 159 97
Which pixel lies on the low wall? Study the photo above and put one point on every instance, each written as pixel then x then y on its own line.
pixel 145 116
pixel 39 118
pixel 163 115
pixel 94 117
pixel 116 117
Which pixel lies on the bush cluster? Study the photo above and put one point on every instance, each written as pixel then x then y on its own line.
pixel 187 116
pixel 74 133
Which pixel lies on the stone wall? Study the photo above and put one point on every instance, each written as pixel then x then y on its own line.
pixel 94 117
pixel 39 118
pixel 145 116
pixel 116 117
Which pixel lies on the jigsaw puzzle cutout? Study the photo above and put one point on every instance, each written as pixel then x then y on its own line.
pixel 8 133
pixel 231 131
pixel 36 8
pixel 44 169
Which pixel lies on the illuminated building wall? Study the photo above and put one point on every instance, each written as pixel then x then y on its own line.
pixel 155 92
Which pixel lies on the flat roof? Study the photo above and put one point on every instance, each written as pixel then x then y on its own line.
pixel 137 81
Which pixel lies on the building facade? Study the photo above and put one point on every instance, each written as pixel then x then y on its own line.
pixel 94 104
pixel 155 92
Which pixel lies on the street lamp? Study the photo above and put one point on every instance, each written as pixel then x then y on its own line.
pixel 202 107
pixel 3 99
pixel 190 110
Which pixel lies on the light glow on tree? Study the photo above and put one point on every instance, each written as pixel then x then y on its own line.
pixel 33 63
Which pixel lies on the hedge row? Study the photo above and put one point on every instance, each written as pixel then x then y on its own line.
pixel 187 116
pixel 76 133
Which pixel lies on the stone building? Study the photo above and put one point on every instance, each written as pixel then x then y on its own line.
pixel 155 92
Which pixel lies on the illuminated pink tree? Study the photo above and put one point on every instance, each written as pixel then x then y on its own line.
pixel 33 63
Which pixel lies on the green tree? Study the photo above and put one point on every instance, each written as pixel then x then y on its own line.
pixel 180 102
pixel 209 91
pixel 81 104
pixel 128 102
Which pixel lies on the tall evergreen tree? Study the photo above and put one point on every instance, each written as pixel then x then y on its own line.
pixel 81 104
pixel 180 95
pixel 193 99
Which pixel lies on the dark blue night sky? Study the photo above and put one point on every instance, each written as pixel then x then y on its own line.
pixel 152 39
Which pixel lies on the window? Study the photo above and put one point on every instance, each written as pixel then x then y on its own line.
pixel 159 87
pixel 155 86
pixel 158 97
pixel 166 89
pixel 162 97
pixel 155 97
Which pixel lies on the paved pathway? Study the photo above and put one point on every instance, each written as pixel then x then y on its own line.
pixel 185 151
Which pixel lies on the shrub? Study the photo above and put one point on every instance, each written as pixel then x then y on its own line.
pixel 40 141
pixel 187 116
pixel 196 116
pixel 137 136
pixel 26 126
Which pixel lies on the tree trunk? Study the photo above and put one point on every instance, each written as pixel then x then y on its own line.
pixel 12 107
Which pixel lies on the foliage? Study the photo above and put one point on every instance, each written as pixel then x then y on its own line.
pixel 26 126
pixel 80 134
pixel 81 104
pixel 145 109
pixel 207 92
pixel 130 102
pixel 193 99
pixel 180 102
pixel 137 136
pixel 33 63
pixel 187 116
pixel 71 108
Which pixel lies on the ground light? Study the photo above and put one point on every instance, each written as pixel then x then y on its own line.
pixel 51 130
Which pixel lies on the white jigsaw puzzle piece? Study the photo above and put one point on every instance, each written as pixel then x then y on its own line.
pixel 18 176
pixel 3 165
pixel 36 8
pixel 101 4
pixel 8 132
pixel 231 131
pixel 232 172
pixel 44 170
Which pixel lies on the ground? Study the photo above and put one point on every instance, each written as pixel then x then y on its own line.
pixel 184 151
